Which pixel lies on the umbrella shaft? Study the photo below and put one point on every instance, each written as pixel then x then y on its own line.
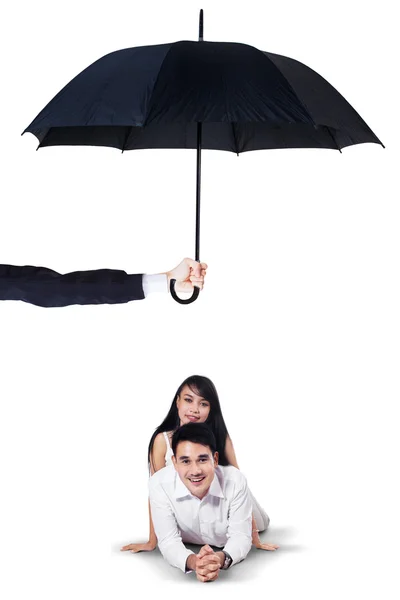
pixel 197 249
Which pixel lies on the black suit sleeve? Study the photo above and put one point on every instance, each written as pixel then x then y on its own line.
pixel 47 288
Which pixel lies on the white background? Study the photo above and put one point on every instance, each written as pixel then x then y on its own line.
pixel 298 325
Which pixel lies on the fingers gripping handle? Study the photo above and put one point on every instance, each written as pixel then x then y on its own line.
pixel 175 296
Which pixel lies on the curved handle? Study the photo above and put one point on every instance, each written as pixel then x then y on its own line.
pixel 192 298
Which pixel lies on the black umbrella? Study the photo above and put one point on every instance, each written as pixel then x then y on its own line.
pixel 214 95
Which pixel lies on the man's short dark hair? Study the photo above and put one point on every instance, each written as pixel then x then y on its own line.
pixel 198 433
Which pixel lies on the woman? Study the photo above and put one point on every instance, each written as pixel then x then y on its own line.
pixel 196 401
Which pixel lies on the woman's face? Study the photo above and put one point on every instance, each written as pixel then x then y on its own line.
pixel 191 407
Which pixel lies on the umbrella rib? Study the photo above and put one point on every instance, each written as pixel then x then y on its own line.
pixel 128 133
pixel 234 137
pixel 43 138
pixel 333 138
pixel 148 103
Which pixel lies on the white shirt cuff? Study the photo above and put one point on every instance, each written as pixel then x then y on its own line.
pixel 238 547
pixel 176 554
pixel 154 283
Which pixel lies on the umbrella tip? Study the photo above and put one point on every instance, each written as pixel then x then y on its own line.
pixel 201 25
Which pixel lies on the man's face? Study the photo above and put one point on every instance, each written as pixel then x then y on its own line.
pixel 195 465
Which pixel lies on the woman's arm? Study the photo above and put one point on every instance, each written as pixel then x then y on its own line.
pixel 230 453
pixel 157 462
pixel 158 452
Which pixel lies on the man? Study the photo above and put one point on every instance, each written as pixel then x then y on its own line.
pixel 47 288
pixel 196 501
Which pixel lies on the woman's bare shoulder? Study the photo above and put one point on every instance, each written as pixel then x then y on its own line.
pixel 159 442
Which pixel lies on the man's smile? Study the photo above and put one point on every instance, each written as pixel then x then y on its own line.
pixel 197 480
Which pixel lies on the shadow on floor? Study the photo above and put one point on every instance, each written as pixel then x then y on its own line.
pixel 256 563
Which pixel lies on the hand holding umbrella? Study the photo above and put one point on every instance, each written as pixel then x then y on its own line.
pixel 189 274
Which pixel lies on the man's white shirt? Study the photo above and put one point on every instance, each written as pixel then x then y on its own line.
pixel 154 283
pixel 222 518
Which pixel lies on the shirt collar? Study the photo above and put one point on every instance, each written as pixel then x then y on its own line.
pixel 181 491
pixel 215 487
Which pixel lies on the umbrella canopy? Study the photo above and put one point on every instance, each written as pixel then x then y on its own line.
pixel 213 95
pixel 154 96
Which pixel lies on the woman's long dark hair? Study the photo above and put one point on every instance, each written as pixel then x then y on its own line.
pixel 204 387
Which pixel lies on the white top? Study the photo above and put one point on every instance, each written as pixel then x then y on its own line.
pixel 169 454
pixel 222 518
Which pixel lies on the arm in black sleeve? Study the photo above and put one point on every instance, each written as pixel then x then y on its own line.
pixel 47 288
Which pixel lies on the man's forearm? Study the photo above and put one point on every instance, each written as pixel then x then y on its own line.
pixel 175 553
pixel 191 562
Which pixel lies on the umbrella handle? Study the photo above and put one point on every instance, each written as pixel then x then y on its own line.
pixel 175 296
